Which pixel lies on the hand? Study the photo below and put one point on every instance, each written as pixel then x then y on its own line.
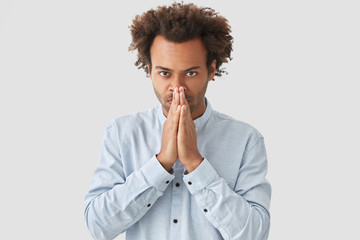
pixel 168 152
pixel 188 152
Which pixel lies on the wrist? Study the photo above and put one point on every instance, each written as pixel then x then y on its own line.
pixel 166 165
pixel 192 164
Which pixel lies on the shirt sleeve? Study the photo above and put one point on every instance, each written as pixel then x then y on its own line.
pixel 240 213
pixel 114 203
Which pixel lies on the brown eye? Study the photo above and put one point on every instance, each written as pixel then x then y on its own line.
pixel 191 74
pixel 164 74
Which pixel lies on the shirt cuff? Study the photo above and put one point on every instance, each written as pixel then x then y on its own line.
pixel 201 177
pixel 155 174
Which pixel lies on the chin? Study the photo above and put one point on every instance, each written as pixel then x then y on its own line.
pixel 166 106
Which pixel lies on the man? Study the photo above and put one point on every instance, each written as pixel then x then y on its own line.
pixel 180 170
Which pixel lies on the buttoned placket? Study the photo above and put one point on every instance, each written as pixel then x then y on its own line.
pixel 178 185
pixel 177 194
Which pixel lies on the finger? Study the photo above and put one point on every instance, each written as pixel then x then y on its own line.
pixel 173 105
pixel 177 116
pixel 176 107
pixel 184 98
pixel 181 96
pixel 183 115
pixel 177 97
pixel 183 101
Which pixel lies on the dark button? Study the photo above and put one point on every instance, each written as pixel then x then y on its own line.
pixel 149 205
pixel 167 181
pixel 177 184
pixel 175 220
pixel 189 183
pixel 205 210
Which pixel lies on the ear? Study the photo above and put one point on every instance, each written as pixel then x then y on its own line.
pixel 212 70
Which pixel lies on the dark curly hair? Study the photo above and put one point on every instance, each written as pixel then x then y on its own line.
pixel 178 23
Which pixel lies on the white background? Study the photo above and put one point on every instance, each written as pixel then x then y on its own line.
pixel 66 72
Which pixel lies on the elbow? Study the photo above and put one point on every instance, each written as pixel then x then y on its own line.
pixel 264 223
pixel 97 226
pixel 266 229
pixel 92 224
pixel 257 226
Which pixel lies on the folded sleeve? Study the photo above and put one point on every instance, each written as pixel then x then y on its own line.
pixel 114 203
pixel 242 212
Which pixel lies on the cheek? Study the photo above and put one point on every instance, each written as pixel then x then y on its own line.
pixel 197 86
pixel 159 84
pixel 160 88
pixel 156 84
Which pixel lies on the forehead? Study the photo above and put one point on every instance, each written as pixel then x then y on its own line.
pixel 178 55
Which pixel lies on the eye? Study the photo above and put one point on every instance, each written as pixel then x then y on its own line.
pixel 191 74
pixel 164 74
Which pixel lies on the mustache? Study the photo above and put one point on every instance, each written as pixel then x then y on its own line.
pixel 187 97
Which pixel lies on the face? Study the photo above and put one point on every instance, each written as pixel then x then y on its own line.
pixel 180 64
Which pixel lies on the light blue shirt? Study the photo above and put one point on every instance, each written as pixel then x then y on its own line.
pixel 226 197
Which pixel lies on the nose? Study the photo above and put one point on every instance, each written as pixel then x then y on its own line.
pixel 178 82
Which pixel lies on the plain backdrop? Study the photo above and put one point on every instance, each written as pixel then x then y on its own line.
pixel 66 72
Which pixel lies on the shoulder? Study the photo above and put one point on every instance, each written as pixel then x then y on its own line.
pixel 235 124
pixel 237 128
pixel 136 120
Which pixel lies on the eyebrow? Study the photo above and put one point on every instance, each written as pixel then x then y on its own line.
pixel 168 69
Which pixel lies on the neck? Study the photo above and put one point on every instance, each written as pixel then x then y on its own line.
pixel 198 110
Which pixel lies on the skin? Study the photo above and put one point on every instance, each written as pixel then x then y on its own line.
pixel 180 78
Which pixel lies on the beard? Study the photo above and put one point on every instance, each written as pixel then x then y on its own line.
pixel 192 101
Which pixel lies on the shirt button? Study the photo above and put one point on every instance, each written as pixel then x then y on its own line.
pixel 205 210
pixel 175 220
pixel 177 184
pixel 149 205
pixel 167 181
pixel 189 183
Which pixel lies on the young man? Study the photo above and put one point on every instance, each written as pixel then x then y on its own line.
pixel 180 170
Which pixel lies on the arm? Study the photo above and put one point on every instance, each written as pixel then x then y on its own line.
pixel 240 213
pixel 114 202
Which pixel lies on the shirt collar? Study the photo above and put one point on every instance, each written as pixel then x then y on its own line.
pixel 199 122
